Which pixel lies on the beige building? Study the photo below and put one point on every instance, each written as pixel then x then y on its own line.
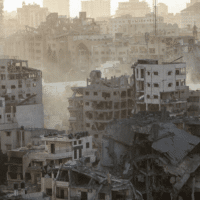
pixel 138 24
pixel 190 16
pixel 26 45
pixel 59 6
pixel 31 15
pixel 96 8
pixel 135 8
pixel 162 9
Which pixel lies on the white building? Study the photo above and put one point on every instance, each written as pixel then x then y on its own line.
pixel 159 86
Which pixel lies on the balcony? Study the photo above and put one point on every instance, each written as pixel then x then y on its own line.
pixel 181 87
pixel 61 183
pixel 173 101
pixel 58 154
pixel 34 168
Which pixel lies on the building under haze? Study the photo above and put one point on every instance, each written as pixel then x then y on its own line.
pixel 31 15
pixel 190 16
pixel 192 2
pixel 162 9
pixel 96 8
pixel 134 8
pixel 59 6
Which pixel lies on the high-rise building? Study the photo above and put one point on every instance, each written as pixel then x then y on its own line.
pixel 59 6
pixel 162 9
pixel 96 8
pixel 134 8
pixel 31 15
pixel 192 2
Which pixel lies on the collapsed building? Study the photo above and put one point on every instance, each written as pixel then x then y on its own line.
pixel 162 159
pixel 150 155
pixel 26 165
pixel 93 107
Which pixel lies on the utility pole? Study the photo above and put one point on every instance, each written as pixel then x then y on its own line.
pixel 155 17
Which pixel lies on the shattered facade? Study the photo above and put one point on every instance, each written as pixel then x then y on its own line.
pixel 93 107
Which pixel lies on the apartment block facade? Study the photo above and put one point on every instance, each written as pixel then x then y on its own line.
pixel 31 15
pixel 93 107
pixel 160 85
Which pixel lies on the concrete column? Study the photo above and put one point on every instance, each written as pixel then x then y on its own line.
pixel 21 138
pixel 159 107
pixel 147 107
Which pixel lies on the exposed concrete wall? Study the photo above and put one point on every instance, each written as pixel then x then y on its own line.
pixel 30 116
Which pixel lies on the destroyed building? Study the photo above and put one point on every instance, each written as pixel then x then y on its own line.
pixel 93 107
pixel 144 157
pixel 161 159
pixel 20 98
pixel 27 164
pixel 160 85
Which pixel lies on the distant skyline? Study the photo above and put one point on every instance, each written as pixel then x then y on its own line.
pixel 75 5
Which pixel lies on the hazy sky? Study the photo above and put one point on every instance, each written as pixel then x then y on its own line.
pixel 75 5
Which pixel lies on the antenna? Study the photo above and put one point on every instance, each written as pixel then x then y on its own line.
pixel 155 17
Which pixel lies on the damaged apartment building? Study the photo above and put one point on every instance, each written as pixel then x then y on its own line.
pixel 160 85
pixel 28 164
pixel 20 99
pixel 94 106
pixel 144 157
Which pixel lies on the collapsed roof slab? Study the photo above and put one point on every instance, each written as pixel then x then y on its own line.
pixel 174 146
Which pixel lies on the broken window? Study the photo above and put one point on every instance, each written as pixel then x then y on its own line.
pixel 87 145
pixel 123 104
pixel 95 93
pixel 87 125
pixel 102 196
pixel 177 72
pixel 123 114
pixel 169 73
pixel 20 96
pixel 49 192
pixel 155 96
pixel 75 143
pixel 177 83
pixel 123 94
pixel 170 85
pixel 13 87
pixel 87 103
pixel 156 85
pixel 155 73
pixel 3 77
pixel 148 73
pixel 148 96
pixel 142 73
pixel 79 141
pixel 87 93
pixel 105 95
pixel 114 93
pixel 3 87
pixel 8 133
pixel 148 85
